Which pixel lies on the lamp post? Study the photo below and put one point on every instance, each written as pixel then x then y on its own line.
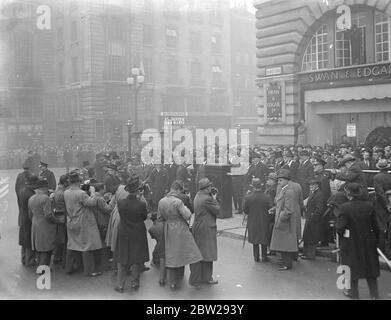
pixel 129 124
pixel 135 82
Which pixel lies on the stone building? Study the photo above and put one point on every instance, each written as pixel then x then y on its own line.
pixel 323 70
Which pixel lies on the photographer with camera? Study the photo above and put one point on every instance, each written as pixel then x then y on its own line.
pixel 206 209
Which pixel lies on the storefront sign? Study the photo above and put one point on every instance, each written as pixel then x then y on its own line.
pixel 364 72
pixel 350 130
pixel 273 102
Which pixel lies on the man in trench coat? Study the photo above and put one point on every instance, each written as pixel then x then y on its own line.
pixel 256 206
pixel 206 209
pixel 82 229
pixel 180 247
pixel 284 237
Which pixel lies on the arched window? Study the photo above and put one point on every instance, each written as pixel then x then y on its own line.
pixel 316 54
pixel 382 37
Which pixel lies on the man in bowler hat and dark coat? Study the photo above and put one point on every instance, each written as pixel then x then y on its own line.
pixel 132 244
pixel 206 209
pixel 256 206
pixel 359 236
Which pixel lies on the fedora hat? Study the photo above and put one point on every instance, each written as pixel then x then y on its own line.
pixel 382 164
pixel 133 184
pixel 353 189
pixel 204 183
pixel 348 158
pixel 314 181
pixel 256 183
pixel 284 174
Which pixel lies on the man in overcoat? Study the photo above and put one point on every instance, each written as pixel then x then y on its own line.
pixel 180 246
pixel 382 183
pixel 158 182
pixel 359 238
pixel 284 237
pixel 45 173
pixel 111 180
pixel 21 179
pixel 206 209
pixel 314 211
pixel 24 220
pixel 82 229
pixel 43 225
pixel 256 206
pixel 305 171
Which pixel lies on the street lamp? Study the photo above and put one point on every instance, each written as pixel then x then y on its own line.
pixel 135 82
pixel 129 124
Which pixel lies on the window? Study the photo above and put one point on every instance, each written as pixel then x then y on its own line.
pixel 316 53
pixel 116 68
pixel 218 103
pixel 116 102
pixel 195 103
pixel 195 70
pixel 350 44
pixel 115 29
pixel 173 103
pixel 60 73
pixel 75 69
pixel 382 37
pixel 216 43
pixel 25 107
pixel 148 69
pixel 216 74
pixel 73 31
pixel 148 104
pixel 99 129
pixel 195 41
pixel 171 37
pixel 147 34
pixel 172 70
pixel 74 105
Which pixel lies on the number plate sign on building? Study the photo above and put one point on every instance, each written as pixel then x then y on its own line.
pixel 350 130
pixel 273 103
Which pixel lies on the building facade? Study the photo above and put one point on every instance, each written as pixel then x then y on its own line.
pixel 243 69
pixel 323 70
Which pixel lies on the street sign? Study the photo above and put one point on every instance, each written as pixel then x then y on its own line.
pixel 350 130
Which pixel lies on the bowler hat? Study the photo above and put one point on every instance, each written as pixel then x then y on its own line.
pixel 353 189
pixel 256 183
pixel 382 164
pixel 204 183
pixel 284 174
pixel 133 184
pixel 347 158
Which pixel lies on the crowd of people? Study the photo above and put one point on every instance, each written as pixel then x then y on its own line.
pixel 95 215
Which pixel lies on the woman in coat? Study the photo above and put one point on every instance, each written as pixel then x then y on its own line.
pixel 82 229
pixel 132 245
pixel 179 244
pixel 256 206
pixel 358 229
pixel 43 226
pixel 313 219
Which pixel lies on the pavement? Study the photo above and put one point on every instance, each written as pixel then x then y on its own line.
pixel 235 228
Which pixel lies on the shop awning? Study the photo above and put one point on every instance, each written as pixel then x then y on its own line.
pixel 370 92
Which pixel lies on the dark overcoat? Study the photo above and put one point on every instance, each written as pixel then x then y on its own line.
pixel 111 182
pixel 158 182
pixel 21 180
pixel 132 243
pixel 315 209
pixel 305 171
pixel 43 226
pixel 256 206
pixel 50 178
pixel 206 210
pixel 382 183
pixel 358 251
pixel 259 171
pixel 24 220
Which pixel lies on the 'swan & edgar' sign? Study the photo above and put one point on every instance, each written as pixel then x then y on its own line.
pixel 375 71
